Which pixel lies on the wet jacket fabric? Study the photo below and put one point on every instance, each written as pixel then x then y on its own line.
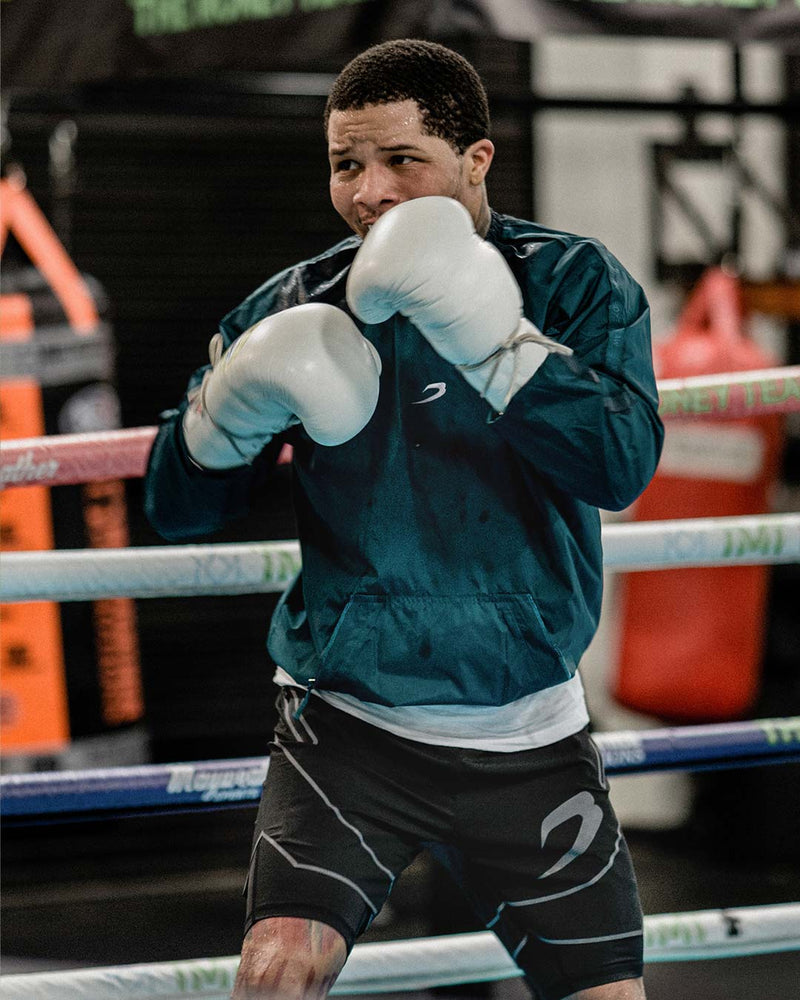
pixel 449 558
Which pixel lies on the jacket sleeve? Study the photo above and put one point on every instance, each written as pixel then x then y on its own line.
pixel 591 427
pixel 181 500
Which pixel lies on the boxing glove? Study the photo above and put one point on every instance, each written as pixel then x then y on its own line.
pixel 309 364
pixel 424 259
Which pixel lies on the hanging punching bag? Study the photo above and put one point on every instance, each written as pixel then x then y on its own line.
pixel 691 641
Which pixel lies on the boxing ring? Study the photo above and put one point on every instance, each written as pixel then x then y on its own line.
pixel 194 570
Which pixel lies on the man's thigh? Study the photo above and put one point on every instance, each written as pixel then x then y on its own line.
pixel 333 830
pixel 545 862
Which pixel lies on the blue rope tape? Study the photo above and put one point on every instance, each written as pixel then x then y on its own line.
pixel 92 794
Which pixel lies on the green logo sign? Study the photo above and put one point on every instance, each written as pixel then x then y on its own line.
pixel 761 541
pixel 170 17
pixel 781 730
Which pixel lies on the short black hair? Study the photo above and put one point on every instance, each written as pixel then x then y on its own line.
pixel 448 91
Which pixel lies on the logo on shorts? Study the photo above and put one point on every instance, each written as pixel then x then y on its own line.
pixel 591 815
pixel 441 389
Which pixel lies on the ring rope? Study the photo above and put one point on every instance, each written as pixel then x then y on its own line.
pixel 158 787
pixel 66 459
pixel 422 963
pixel 268 567
pixel 739 394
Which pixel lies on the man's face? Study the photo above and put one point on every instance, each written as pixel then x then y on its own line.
pixel 380 156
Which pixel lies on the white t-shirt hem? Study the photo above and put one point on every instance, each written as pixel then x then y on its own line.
pixel 537 720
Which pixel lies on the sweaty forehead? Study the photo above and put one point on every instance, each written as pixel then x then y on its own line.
pixel 382 124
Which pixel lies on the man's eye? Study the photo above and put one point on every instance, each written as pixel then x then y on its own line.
pixel 401 161
pixel 345 165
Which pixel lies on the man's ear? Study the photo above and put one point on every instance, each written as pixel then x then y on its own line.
pixel 479 158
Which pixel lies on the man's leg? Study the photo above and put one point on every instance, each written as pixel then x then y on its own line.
pixel 289 958
pixel 330 837
pixel 627 989
pixel 547 868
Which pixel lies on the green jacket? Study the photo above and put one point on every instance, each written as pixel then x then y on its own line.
pixel 447 558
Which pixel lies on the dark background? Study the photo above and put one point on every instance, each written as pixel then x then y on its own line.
pixel 187 192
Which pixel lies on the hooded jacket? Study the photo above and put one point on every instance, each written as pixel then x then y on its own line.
pixel 450 557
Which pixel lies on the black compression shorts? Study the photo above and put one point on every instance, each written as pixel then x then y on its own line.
pixel 531 837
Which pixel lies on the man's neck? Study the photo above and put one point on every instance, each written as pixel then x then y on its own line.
pixel 484 218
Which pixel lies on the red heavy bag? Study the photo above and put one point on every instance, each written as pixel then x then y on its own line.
pixel 691 642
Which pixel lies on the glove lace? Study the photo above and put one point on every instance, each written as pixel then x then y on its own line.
pixel 513 344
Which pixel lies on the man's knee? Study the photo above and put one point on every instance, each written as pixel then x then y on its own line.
pixel 289 958
pixel 626 989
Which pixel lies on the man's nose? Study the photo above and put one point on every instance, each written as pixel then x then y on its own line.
pixel 376 190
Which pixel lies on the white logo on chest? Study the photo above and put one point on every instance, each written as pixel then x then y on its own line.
pixel 440 389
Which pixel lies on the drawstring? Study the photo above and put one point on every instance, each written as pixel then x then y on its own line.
pixel 302 706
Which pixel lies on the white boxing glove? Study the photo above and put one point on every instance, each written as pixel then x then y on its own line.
pixel 309 364
pixel 424 259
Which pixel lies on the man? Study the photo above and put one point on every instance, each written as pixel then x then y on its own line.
pixel 462 390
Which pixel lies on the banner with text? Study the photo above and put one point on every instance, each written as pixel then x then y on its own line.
pixel 50 45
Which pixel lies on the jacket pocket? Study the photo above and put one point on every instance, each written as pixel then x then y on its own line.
pixel 426 650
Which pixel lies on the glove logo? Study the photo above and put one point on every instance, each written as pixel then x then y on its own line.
pixel 440 388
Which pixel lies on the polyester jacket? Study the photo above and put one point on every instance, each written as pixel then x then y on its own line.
pixel 449 557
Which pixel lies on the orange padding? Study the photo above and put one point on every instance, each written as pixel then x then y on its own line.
pixel 16 317
pixel 21 215
pixel 33 690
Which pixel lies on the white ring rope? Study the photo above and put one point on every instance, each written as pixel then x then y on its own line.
pixel 267 567
pixel 422 963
